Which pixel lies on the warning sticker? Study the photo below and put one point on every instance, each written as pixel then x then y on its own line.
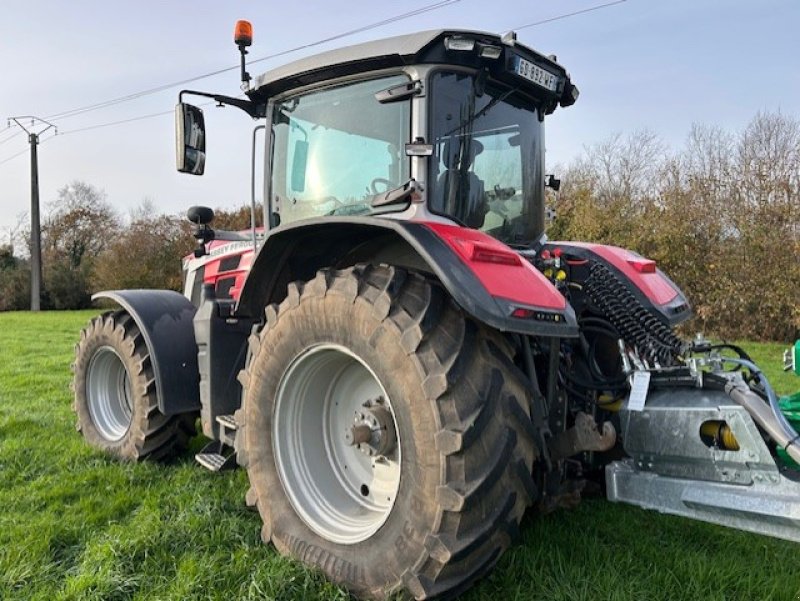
pixel 639 389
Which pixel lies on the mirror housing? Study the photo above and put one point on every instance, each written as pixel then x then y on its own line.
pixel 551 181
pixel 200 215
pixel 190 139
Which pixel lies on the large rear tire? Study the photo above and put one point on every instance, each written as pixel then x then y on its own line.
pixel 454 480
pixel 115 394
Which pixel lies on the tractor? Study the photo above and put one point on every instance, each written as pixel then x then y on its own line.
pixel 400 358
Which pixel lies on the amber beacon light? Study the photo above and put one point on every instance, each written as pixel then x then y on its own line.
pixel 243 33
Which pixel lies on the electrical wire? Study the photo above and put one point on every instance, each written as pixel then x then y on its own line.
pixel 14 156
pixel 119 122
pixel 24 150
pixel 406 15
pixel 107 103
pixel 567 15
pixel 161 88
pixel 13 135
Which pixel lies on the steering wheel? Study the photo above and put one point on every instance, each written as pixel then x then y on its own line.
pixel 380 180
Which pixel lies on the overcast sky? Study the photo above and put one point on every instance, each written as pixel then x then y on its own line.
pixel 661 65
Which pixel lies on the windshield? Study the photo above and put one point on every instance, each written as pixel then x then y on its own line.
pixel 487 167
pixel 335 149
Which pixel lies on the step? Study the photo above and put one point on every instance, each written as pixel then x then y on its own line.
pixel 227 430
pixel 227 421
pixel 216 462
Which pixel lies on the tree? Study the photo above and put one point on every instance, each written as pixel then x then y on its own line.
pixel 145 254
pixel 15 281
pixel 79 226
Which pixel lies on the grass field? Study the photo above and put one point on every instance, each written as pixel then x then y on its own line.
pixel 76 525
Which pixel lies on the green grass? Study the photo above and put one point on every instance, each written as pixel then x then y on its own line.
pixel 77 525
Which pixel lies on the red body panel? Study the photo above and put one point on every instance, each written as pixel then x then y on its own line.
pixel 640 271
pixel 499 268
pixel 227 282
pixel 213 274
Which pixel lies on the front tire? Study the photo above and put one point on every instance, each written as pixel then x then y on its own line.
pixel 463 450
pixel 115 394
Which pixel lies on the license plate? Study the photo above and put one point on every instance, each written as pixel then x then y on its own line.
pixel 536 74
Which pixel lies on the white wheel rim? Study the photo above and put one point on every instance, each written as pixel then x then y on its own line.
pixel 339 491
pixel 108 394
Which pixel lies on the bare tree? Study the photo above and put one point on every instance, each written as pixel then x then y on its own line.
pixel 15 231
pixel 79 226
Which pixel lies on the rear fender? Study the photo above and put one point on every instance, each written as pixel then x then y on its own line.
pixel 165 318
pixel 489 280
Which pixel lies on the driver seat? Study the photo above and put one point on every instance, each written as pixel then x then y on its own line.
pixel 463 191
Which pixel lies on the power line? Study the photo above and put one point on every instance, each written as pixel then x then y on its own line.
pixel 14 156
pixel 25 150
pixel 567 15
pixel 282 53
pixel 14 133
pixel 107 103
pixel 120 122
pixel 339 36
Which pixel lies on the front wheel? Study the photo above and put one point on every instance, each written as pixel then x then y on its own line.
pixel 386 436
pixel 115 395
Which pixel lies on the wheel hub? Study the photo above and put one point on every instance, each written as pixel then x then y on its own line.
pixel 373 431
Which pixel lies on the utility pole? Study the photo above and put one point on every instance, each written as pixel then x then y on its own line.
pixel 36 230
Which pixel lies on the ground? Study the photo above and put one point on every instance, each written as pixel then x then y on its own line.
pixel 77 525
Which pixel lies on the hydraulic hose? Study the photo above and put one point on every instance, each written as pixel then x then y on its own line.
pixel 773 421
pixel 771 396
pixel 755 406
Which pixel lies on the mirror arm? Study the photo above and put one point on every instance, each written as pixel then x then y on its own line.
pixel 253 109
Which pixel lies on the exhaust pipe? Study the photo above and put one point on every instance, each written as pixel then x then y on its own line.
pixel 762 413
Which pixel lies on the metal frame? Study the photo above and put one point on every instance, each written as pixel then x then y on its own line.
pixel 673 471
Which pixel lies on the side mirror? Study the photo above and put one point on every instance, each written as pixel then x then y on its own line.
pixel 299 162
pixel 190 139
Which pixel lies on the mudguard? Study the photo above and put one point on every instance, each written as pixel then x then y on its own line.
pixel 489 280
pixel 165 319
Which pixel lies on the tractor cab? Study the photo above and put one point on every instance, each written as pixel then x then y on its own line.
pixel 442 126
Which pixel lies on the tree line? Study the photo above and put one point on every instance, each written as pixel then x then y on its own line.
pixel 721 216
pixel 87 246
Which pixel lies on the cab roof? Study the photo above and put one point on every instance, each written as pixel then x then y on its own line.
pixel 425 47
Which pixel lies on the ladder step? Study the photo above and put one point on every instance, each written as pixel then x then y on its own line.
pixel 227 430
pixel 215 461
pixel 227 421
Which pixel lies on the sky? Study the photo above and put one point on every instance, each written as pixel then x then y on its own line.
pixel 640 64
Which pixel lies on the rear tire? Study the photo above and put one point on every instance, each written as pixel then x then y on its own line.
pixel 460 408
pixel 115 394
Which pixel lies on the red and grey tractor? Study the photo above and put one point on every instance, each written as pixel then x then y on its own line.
pixel 400 359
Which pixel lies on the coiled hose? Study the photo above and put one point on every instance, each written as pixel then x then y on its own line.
pixel 637 326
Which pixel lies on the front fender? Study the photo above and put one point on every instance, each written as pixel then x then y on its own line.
pixel 165 318
pixel 489 280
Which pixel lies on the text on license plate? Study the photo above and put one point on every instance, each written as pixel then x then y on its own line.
pixel 536 74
